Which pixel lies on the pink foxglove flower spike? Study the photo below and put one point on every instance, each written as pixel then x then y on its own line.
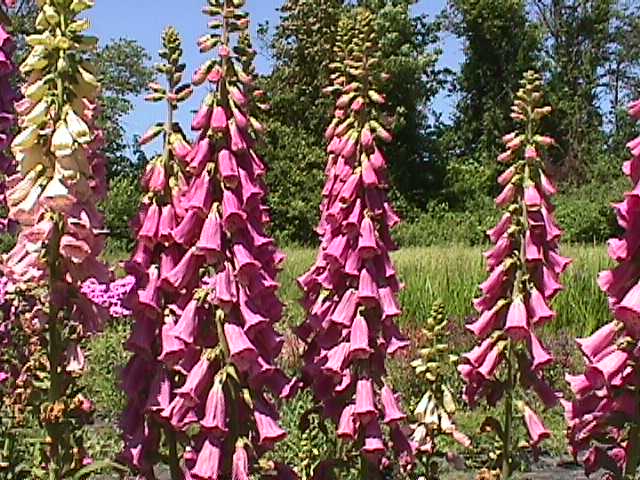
pixel 350 294
pixel 206 381
pixel 524 268
pixel 603 425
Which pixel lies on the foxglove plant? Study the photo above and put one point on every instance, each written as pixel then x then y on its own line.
pixel 435 410
pixel 7 164
pixel 53 197
pixel 524 267
pixel 204 343
pixel 603 419
pixel 350 293
pixel 7 115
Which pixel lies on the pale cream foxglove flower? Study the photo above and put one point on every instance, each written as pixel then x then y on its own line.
pixel 25 139
pixel 62 141
pixel 73 164
pixel 21 190
pixel 87 76
pixel 79 26
pixel 23 212
pixel 31 158
pixel 36 60
pixel 38 114
pixel 56 194
pixel 50 15
pixel 37 90
pixel 79 130
pixel 41 39
pixel 78 6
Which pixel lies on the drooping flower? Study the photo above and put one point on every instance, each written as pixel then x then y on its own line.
pixel 350 294
pixel 603 417
pixel 204 375
pixel 524 269
pixel 52 196
pixel 434 414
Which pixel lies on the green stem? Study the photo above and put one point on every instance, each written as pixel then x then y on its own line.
pixel 508 417
pixel 174 462
pixel 634 452
pixel 54 355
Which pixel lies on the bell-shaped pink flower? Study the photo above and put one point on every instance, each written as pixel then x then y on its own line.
pixel 268 429
pixel 536 429
pixel 392 412
pixel 359 339
pixel 365 408
pixel 219 120
pixel 242 351
pixel 594 345
pixel 240 464
pixel 215 412
pixel 517 324
pixel 347 426
pixel 209 463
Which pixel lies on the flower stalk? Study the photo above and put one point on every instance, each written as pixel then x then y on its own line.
pixel 350 294
pixel 60 178
pixel 524 268
pixel 203 377
pixel 603 417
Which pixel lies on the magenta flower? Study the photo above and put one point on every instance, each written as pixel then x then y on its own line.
pixel 205 293
pixel 350 294
pixel 524 267
pixel 603 417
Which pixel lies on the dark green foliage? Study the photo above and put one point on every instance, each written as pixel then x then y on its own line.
pixel 500 44
pixel 119 208
pixel 295 181
pixel 577 34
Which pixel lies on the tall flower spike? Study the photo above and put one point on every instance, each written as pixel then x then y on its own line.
pixel 603 417
pixel 435 411
pixel 203 377
pixel 524 268
pixel 7 113
pixel 350 294
pixel 53 196
pixel 148 383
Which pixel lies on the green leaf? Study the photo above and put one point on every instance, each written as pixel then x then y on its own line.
pixel 97 466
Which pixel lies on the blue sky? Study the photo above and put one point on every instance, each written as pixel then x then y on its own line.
pixel 144 21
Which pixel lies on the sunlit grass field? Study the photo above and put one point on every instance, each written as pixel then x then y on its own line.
pixel 452 274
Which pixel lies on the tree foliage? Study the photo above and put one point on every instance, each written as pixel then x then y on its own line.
pixel 301 48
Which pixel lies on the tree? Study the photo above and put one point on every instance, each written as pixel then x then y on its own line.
pixel 124 72
pixel 577 41
pixel 500 44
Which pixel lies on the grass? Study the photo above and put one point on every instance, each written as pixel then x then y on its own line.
pixel 450 274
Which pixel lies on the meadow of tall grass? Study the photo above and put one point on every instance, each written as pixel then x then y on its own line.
pixel 448 273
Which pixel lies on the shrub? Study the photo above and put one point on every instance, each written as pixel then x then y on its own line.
pixel 119 208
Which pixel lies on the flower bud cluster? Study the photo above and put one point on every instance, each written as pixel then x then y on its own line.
pixel 435 411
